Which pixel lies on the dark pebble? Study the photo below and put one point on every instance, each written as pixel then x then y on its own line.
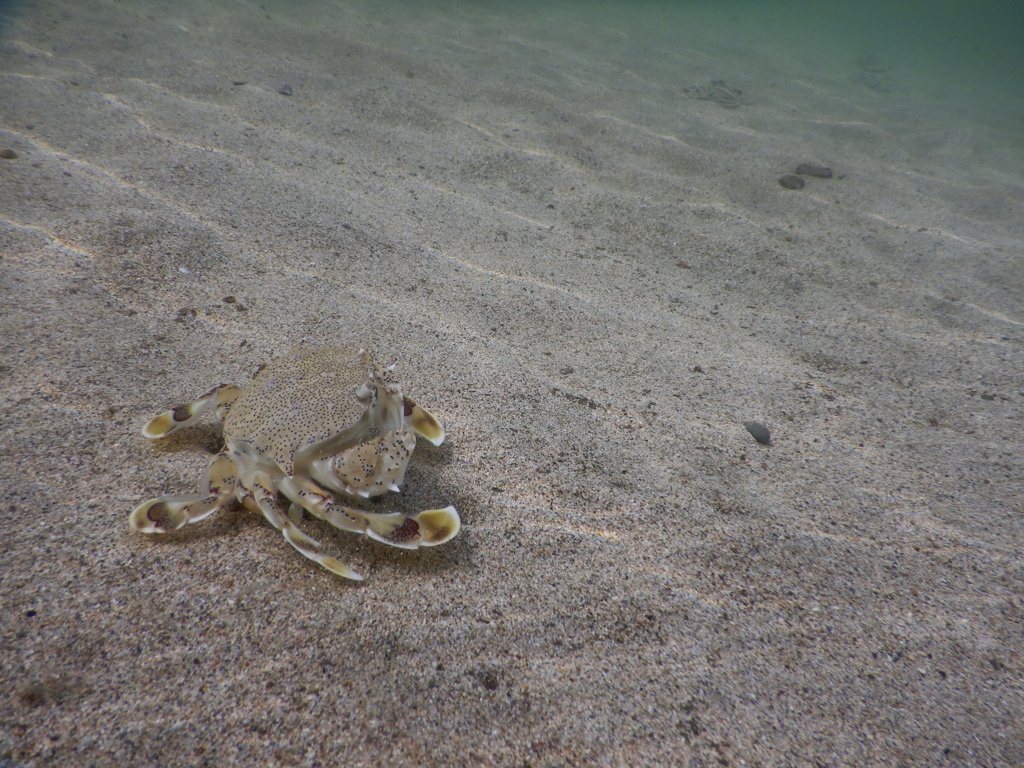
pixel 285 90
pixel 759 432
pixel 239 82
pixel 8 154
pixel 810 169
pixel 789 181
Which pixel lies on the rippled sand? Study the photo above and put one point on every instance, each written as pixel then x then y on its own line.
pixel 595 281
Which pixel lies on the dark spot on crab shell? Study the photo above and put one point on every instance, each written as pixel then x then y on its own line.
pixel 407 531
pixel 159 515
pixel 182 412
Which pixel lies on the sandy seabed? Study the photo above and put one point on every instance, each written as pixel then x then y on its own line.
pixel 595 280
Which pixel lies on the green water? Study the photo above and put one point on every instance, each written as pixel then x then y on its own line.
pixel 969 50
pixel 953 43
pixel 962 46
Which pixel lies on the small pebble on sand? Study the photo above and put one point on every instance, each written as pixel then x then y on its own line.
pixel 759 432
pixel 285 90
pixel 8 154
pixel 810 169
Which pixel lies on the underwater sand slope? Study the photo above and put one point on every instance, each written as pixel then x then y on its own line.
pixel 595 281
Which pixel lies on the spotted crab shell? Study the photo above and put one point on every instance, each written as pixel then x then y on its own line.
pixel 314 403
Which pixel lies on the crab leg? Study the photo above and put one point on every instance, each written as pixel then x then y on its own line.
pixel 261 491
pixel 423 422
pixel 424 529
pixel 168 513
pixel 219 398
pixel 309 496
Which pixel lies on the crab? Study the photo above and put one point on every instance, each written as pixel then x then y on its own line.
pixel 312 424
